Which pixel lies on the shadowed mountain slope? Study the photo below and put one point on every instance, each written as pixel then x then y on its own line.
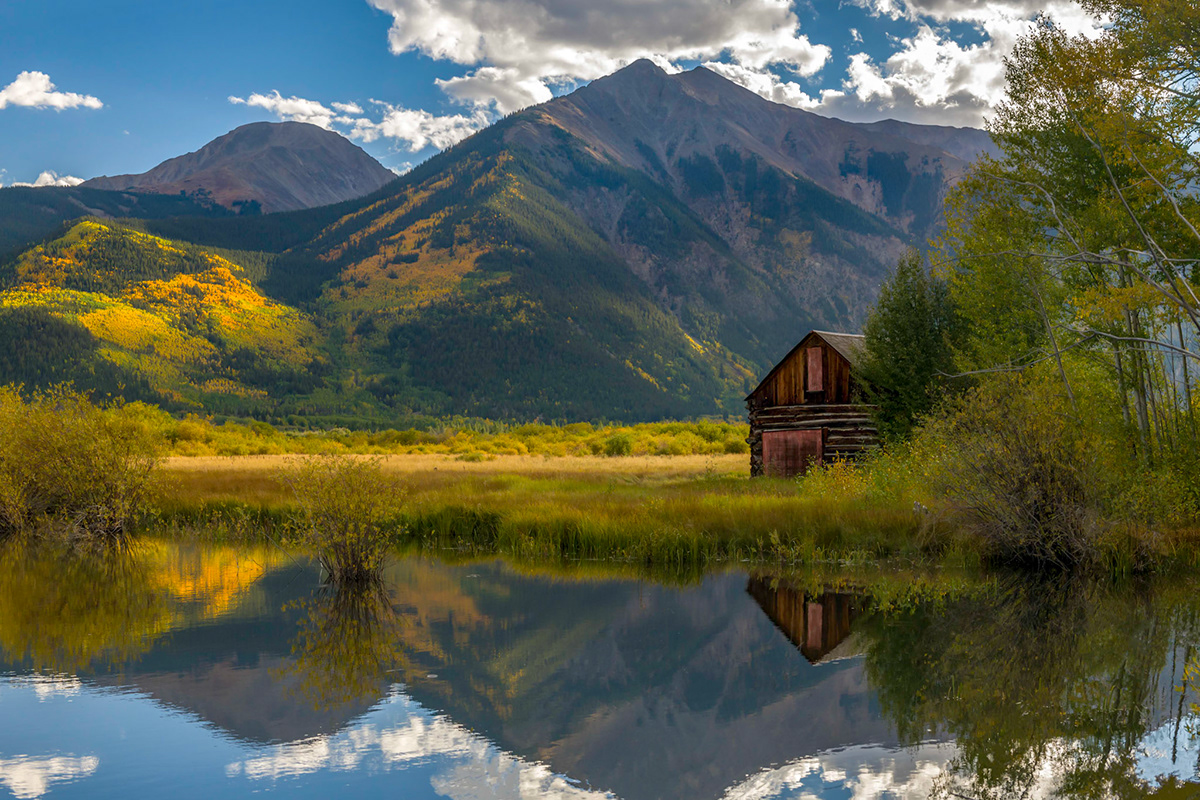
pixel 644 246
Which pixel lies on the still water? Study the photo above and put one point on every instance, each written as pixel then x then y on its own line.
pixel 226 672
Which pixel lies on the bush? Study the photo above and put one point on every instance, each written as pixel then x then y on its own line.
pixel 70 466
pixel 1016 469
pixel 619 444
pixel 349 509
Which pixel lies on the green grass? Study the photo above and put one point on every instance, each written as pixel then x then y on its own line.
pixel 668 513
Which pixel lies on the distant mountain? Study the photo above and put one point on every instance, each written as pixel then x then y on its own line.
pixel 267 166
pixel 125 313
pixel 643 248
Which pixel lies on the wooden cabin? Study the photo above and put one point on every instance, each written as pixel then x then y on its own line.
pixel 804 411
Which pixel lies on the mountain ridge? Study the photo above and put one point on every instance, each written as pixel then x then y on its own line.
pixel 280 166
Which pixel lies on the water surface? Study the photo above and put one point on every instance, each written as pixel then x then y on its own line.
pixel 219 671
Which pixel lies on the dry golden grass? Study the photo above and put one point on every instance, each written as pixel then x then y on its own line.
pixel 256 479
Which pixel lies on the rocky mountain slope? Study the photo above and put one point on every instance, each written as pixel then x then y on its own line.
pixel 280 166
pixel 645 246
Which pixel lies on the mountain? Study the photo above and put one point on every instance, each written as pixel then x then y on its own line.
pixel 643 248
pixel 280 166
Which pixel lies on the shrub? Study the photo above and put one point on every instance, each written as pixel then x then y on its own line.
pixel 1015 469
pixel 70 466
pixel 619 444
pixel 349 510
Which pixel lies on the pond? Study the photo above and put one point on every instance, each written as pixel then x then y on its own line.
pixel 217 671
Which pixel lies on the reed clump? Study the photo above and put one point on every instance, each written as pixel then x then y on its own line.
pixel 71 468
pixel 348 514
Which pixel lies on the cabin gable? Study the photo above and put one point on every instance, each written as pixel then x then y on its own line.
pixel 814 372
pixel 805 410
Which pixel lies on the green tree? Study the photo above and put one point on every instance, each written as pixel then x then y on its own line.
pixel 909 346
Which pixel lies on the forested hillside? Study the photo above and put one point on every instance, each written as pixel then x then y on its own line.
pixel 134 315
pixel 643 248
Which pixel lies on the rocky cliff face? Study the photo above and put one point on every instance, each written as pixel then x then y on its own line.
pixel 280 166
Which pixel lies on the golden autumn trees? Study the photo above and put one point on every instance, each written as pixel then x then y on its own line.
pixel 1077 246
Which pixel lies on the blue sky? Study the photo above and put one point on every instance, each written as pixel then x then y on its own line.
pixel 92 88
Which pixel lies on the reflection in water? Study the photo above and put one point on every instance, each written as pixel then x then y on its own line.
pixel 1043 685
pixel 862 773
pixel 29 777
pixel 817 624
pixel 64 611
pixel 468 765
pixel 475 681
pixel 349 641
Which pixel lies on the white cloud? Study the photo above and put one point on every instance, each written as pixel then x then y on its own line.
pixel 519 49
pixel 293 108
pixel 34 90
pixel 410 128
pixel 50 178
pixel 419 129
pixel 933 78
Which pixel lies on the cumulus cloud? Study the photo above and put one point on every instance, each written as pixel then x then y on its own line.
pixel 418 129
pixel 520 49
pixel 518 52
pixel 50 178
pixel 35 90
pixel 933 78
pixel 293 108
pixel 412 129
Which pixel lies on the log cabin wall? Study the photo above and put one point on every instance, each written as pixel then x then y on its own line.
pixel 804 392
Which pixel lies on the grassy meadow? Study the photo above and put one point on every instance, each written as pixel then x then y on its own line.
pixel 698 509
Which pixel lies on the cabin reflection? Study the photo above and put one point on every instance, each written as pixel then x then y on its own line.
pixel 818 625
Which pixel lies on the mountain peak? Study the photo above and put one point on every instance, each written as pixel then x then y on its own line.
pixel 281 166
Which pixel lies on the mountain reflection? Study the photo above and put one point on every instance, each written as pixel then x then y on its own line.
pixel 476 680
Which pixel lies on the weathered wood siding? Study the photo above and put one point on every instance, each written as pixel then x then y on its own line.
pixel 792 452
pixel 848 427
pixel 788 384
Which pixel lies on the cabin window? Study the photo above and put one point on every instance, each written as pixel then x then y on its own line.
pixel 788 453
pixel 816 369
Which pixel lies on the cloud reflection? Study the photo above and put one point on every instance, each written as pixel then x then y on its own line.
pixel 1171 750
pixel 868 772
pixel 474 767
pixel 28 777
pixel 50 686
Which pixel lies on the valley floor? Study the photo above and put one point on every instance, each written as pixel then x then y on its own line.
pixel 693 509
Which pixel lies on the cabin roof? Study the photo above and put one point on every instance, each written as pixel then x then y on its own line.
pixel 850 346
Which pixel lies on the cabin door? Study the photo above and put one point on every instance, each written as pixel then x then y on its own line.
pixel 788 453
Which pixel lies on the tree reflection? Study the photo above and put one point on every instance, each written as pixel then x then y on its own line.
pixel 348 643
pixel 1046 686
pixel 66 610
